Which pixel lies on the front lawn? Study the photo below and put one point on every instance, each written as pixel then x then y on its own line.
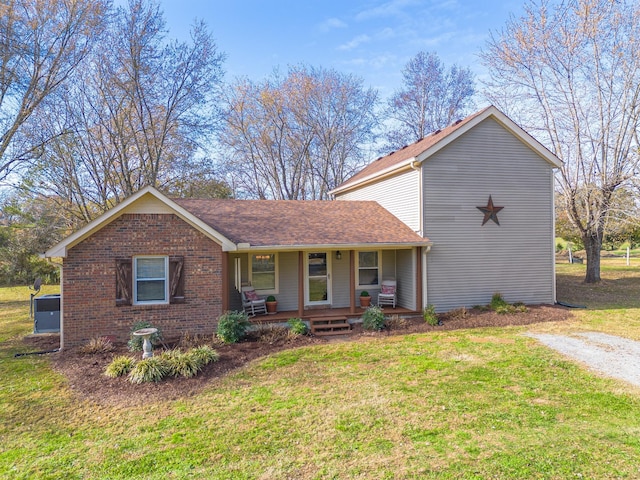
pixel 476 403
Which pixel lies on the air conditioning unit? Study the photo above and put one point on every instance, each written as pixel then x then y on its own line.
pixel 46 314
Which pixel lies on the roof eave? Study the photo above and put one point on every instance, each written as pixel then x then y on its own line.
pixel 61 249
pixel 503 120
pixel 376 176
pixel 334 246
pixel 490 111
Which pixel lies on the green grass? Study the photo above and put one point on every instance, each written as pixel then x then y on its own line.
pixel 472 404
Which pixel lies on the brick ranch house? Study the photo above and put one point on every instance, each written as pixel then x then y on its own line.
pixel 453 218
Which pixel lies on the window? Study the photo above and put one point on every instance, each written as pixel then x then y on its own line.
pixel 368 269
pixel 157 279
pixel 150 283
pixel 264 272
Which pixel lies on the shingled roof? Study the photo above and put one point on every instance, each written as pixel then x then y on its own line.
pixel 420 150
pixel 297 223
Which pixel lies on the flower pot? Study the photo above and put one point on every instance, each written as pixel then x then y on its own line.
pixel 272 307
pixel 365 302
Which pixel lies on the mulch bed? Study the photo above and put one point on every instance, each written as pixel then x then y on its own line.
pixel 85 373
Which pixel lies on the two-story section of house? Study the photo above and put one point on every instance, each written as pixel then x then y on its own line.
pixel 482 190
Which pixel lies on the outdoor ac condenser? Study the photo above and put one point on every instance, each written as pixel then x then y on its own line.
pixel 46 314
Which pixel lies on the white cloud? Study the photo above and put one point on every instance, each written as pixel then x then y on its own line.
pixel 392 8
pixel 331 24
pixel 359 40
pixel 386 33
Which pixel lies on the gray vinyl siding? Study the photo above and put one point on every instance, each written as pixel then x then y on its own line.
pixel 287 295
pixel 406 278
pixel 340 291
pixel 399 194
pixel 469 262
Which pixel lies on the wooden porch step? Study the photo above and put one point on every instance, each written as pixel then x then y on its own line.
pixel 334 325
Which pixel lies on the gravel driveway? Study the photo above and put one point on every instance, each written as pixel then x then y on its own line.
pixel 610 355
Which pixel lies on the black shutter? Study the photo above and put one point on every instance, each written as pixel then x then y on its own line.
pixel 124 285
pixel 176 280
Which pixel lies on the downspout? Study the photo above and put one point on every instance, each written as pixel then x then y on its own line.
pixel 417 167
pixel 60 267
pixel 424 300
pixel 553 233
pixel 425 295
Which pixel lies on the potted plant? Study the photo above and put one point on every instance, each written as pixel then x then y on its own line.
pixel 272 304
pixel 365 299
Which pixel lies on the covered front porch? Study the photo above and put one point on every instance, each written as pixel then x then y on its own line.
pixel 323 282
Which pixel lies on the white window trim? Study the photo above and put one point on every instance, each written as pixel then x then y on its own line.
pixel 329 299
pixel 270 291
pixel 357 267
pixel 166 281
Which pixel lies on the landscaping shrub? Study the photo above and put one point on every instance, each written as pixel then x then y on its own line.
pixel 120 366
pixel 458 313
pixel 193 340
pixel 429 315
pixel 520 307
pixel 232 326
pixel 97 345
pixel 204 355
pixel 373 318
pixel 179 363
pixel 152 369
pixel 272 334
pixel 396 322
pixel 297 326
pixel 497 302
pixel 135 343
pixel 500 306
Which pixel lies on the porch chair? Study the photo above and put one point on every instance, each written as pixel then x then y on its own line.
pixel 252 303
pixel 387 295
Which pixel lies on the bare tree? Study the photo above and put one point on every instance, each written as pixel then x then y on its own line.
pixel 430 98
pixel 41 43
pixel 299 136
pixel 570 74
pixel 141 112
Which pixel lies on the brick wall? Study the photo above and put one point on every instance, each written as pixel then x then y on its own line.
pixel 89 280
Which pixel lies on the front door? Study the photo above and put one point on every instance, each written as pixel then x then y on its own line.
pixel 318 281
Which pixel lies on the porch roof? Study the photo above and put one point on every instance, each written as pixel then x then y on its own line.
pixel 288 224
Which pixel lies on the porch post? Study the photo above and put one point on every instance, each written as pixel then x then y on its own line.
pixel 225 281
pixel 300 284
pixel 352 282
pixel 419 304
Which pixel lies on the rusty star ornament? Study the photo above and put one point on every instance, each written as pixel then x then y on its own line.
pixel 490 212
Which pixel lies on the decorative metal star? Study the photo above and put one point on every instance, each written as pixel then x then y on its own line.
pixel 490 212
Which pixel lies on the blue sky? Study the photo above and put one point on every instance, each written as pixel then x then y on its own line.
pixel 371 38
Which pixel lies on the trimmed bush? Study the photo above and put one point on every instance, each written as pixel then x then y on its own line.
pixel 97 345
pixel 179 363
pixel 135 343
pixel 297 326
pixel 396 322
pixel 204 355
pixel 232 326
pixel 272 334
pixel 152 369
pixel 190 340
pixel 120 366
pixel 373 318
pixel 429 315
pixel 497 302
